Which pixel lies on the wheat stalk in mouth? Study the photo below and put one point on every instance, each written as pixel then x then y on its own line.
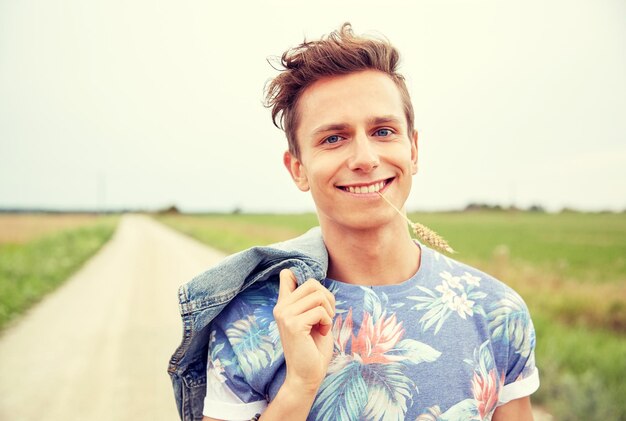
pixel 424 233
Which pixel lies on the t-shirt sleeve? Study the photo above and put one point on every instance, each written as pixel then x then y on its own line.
pixel 229 395
pixel 522 376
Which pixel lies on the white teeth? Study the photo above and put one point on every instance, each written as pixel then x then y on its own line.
pixel 372 188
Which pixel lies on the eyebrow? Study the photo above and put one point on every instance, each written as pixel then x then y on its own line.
pixel 384 119
pixel 330 128
pixel 370 121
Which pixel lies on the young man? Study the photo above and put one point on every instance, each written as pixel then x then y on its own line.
pixel 392 330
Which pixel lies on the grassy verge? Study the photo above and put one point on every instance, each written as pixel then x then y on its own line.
pixel 582 371
pixel 29 271
pixel 570 269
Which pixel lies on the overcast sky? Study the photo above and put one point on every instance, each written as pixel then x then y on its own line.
pixel 144 104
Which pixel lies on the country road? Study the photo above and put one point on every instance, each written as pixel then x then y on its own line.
pixel 98 347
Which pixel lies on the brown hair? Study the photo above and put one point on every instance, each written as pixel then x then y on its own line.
pixel 339 53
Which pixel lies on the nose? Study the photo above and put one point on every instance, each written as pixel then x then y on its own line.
pixel 364 156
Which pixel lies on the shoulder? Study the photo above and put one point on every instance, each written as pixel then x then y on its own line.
pixel 499 306
pixel 458 273
pixel 505 312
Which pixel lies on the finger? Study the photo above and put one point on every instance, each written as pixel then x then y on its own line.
pixel 315 316
pixel 310 286
pixel 331 298
pixel 288 283
pixel 324 329
pixel 306 303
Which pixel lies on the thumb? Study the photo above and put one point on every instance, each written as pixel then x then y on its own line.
pixel 288 283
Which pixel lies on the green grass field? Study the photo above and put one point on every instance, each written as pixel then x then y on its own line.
pixel 570 268
pixel 32 269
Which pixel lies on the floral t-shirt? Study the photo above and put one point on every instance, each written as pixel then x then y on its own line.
pixel 450 343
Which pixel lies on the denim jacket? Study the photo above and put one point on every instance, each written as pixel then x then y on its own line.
pixel 206 295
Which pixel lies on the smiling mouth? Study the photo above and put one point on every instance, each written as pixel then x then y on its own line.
pixel 366 188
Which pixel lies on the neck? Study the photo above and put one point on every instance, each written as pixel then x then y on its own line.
pixel 382 256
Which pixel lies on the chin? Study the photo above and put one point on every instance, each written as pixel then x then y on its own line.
pixel 360 221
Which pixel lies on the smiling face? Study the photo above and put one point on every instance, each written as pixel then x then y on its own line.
pixel 353 143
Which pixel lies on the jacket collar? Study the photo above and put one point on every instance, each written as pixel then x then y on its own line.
pixel 310 243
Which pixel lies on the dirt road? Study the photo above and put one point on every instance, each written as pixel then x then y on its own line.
pixel 98 347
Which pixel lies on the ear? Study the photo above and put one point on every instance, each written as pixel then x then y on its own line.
pixel 297 171
pixel 414 152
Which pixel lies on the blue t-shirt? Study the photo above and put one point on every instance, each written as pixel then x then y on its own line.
pixel 450 343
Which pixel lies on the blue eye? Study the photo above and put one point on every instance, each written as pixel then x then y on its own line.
pixel 383 132
pixel 332 139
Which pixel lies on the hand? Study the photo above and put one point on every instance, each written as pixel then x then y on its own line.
pixel 304 317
